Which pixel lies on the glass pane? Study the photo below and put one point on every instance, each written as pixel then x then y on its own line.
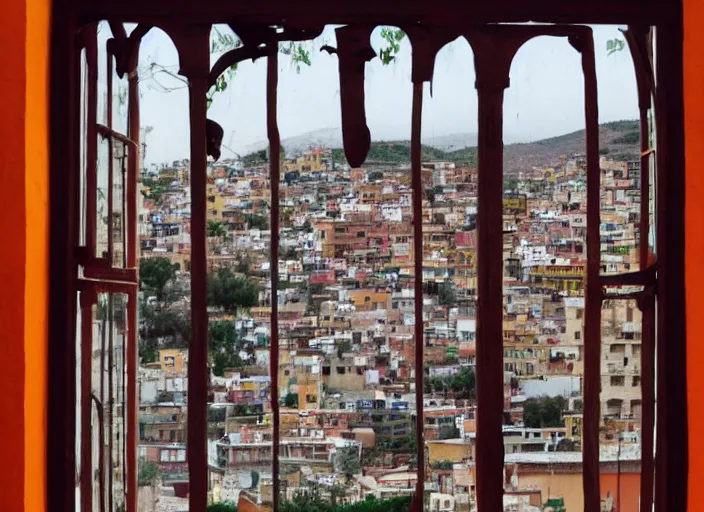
pixel 104 34
pixel 450 280
pixel 101 198
pixel 163 203
pixel 544 264
pixel 346 372
pixel 238 239
pixel 108 336
pixel 621 403
pixel 83 158
pixel 545 258
pixel 120 154
pixel 120 100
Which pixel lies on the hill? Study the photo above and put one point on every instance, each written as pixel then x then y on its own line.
pixel 619 140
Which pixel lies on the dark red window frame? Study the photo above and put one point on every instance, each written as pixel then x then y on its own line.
pixel 663 280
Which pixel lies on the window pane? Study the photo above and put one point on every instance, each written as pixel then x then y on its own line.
pixel 104 34
pixel 101 209
pixel 107 397
pixel 120 107
pixel 621 402
pixel 239 233
pixel 83 140
pixel 544 275
pixel 120 155
pixel 163 204
pixel 450 280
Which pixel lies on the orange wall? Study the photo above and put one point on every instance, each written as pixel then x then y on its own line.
pixel 569 487
pixel 629 487
pixel 24 30
pixel 37 261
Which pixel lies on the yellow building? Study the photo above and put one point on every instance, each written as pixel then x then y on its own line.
pixel 453 450
pixel 171 361
pixel 368 299
pixel 317 160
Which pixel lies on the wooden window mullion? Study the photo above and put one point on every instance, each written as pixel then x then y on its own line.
pixel 417 186
pixel 492 57
pixel 193 46
pixel 272 79
pixel 592 299
pixel 640 45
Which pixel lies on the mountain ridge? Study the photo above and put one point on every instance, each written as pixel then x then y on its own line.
pixel 617 139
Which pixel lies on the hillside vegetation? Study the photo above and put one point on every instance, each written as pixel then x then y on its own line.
pixel 618 140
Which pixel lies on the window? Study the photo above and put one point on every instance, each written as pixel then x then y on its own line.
pixel 577 335
pixel 618 381
pixel 107 257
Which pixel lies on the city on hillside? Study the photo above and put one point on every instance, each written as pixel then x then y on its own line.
pixel 346 345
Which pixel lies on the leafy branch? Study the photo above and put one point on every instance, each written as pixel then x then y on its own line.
pixel 614 45
pixel 392 37
pixel 299 53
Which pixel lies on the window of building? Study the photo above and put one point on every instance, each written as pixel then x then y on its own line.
pixel 618 380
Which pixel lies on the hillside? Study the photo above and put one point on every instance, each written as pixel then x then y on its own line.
pixel 619 140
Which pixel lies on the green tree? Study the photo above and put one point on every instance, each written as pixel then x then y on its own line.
pixel 347 461
pixel 430 196
pixel 375 175
pixel 342 347
pixel 155 274
pixel 447 294
pixel 230 291
pixel 312 501
pixel 258 222
pixel 153 189
pixel 148 473
pixel 291 400
pixel 216 229
pixel 462 384
pixel 225 345
pixel 510 184
pixel 307 226
pixel 244 263
pixel 223 506
pixel 162 326
pixel 544 412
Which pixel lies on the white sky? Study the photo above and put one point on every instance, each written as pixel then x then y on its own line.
pixel 545 97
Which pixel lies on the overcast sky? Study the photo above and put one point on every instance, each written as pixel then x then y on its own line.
pixel 545 97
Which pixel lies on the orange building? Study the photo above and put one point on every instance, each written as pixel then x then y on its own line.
pixel 559 475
